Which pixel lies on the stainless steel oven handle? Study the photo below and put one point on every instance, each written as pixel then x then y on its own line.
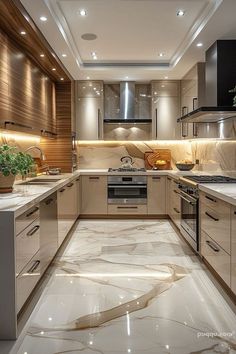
pixel 127 186
pixel 187 200
pixel 192 199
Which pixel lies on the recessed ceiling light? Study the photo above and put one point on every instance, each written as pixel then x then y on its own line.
pixel 23 33
pixel 88 78
pixel 180 13
pixel 199 44
pixel 82 12
pixel 42 55
pixel 166 77
pixel 94 55
pixel 89 36
pixel 62 79
pixel 64 55
pixel 161 54
pixel 127 77
pixel 54 69
pixel 43 18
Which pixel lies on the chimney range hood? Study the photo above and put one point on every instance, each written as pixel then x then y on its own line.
pixel 127 106
pixel 220 78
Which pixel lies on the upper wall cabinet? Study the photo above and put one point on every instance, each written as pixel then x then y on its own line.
pixel 27 100
pixel 165 110
pixel 192 96
pixel 89 110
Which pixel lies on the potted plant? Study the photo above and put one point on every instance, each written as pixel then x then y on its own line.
pixel 11 164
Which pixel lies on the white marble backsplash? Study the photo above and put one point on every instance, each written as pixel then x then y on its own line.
pixel 214 155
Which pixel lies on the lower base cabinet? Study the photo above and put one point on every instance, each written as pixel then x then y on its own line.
pixel 233 249
pixel 127 209
pixel 156 195
pixel 216 257
pixel 174 203
pixel 94 195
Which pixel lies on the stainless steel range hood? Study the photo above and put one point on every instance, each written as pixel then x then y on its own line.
pixel 220 78
pixel 127 105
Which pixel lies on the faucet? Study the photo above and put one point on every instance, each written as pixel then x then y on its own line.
pixel 42 156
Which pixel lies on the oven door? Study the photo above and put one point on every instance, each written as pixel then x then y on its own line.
pixel 189 218
pixel 127 194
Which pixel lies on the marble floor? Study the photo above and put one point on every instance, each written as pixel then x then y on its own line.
pixel 129 286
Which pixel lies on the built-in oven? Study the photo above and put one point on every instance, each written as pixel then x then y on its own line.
pixel 127 189
pixel 189 215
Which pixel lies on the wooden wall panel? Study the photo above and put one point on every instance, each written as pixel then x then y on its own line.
pixel 59 151
pixel 26 92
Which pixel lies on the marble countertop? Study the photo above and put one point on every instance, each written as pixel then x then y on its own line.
pixel 25 196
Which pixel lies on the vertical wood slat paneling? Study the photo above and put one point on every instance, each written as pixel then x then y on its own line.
pixel 26 92
pixel 59 151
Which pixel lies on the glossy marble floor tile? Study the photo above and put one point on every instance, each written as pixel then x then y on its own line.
pixel 129 287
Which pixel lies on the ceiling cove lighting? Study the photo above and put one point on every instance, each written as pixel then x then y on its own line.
pixel 83 12
pixel 199 44
pixel 180 13
pixel 43 18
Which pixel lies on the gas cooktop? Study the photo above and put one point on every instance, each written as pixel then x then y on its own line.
pixel 121 169
pixel 210 179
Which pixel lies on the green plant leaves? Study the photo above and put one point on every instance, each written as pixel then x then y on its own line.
pixel 12 162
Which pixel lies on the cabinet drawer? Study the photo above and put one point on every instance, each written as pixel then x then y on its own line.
pixel 27 244
pixel 215 204
pixel 127 209
pixel 26 218
pixel 216 257
pixel 27 279
pixel 175 215
pixel 217 225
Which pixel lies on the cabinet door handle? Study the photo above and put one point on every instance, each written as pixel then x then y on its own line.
pixel 176 210
pixel 70 185
pixel 235 213
pixel 176 192
pixel 98 123
pixel 169 179
pixel 49 201
pixel 210 216
pixel 127 207
pixel 195 131
pixel 212 246
pixel 62 190
pixel 32 212
pixel 184 134
pixel 34 266
pixel 77 179
pixel 17 125
pixel 94 177
pixel 211 199
pixel 33 230
pixel 156 177
pixel 156 121
pixel 194 101
pixel 184 108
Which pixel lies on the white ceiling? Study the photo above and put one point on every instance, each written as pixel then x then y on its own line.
pixel 131 34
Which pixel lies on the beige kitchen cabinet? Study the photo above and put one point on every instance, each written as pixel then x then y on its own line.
pixel 165 110
pixel 89 110
pixel 67 207
pixel 168 194
pixel 122 209
pixel 215 220
pixel 156 190
pixel 174 203
pixel 94 195
pixel 78 195
pixel 192 96
pixel 233 249
pixel 216 257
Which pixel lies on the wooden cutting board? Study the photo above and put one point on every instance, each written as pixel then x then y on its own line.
pixel 150 158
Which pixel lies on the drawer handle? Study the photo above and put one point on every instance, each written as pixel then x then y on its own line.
pixel 62 190
pixel 212 246
pixel 93 177
pixel 156 177
pixel 32 212
pixel 127 207
pixel 235 213
pixel 77 179
pixel 49 201
pixel 33 230
pixel 70 185
pixel 176 210
pixel 169 179
pixel 176 182
pixel 211 199
pixel 176 191
pixel 212 217
pixel 34 266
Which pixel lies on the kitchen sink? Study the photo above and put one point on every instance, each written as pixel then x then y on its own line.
pixel 40 181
